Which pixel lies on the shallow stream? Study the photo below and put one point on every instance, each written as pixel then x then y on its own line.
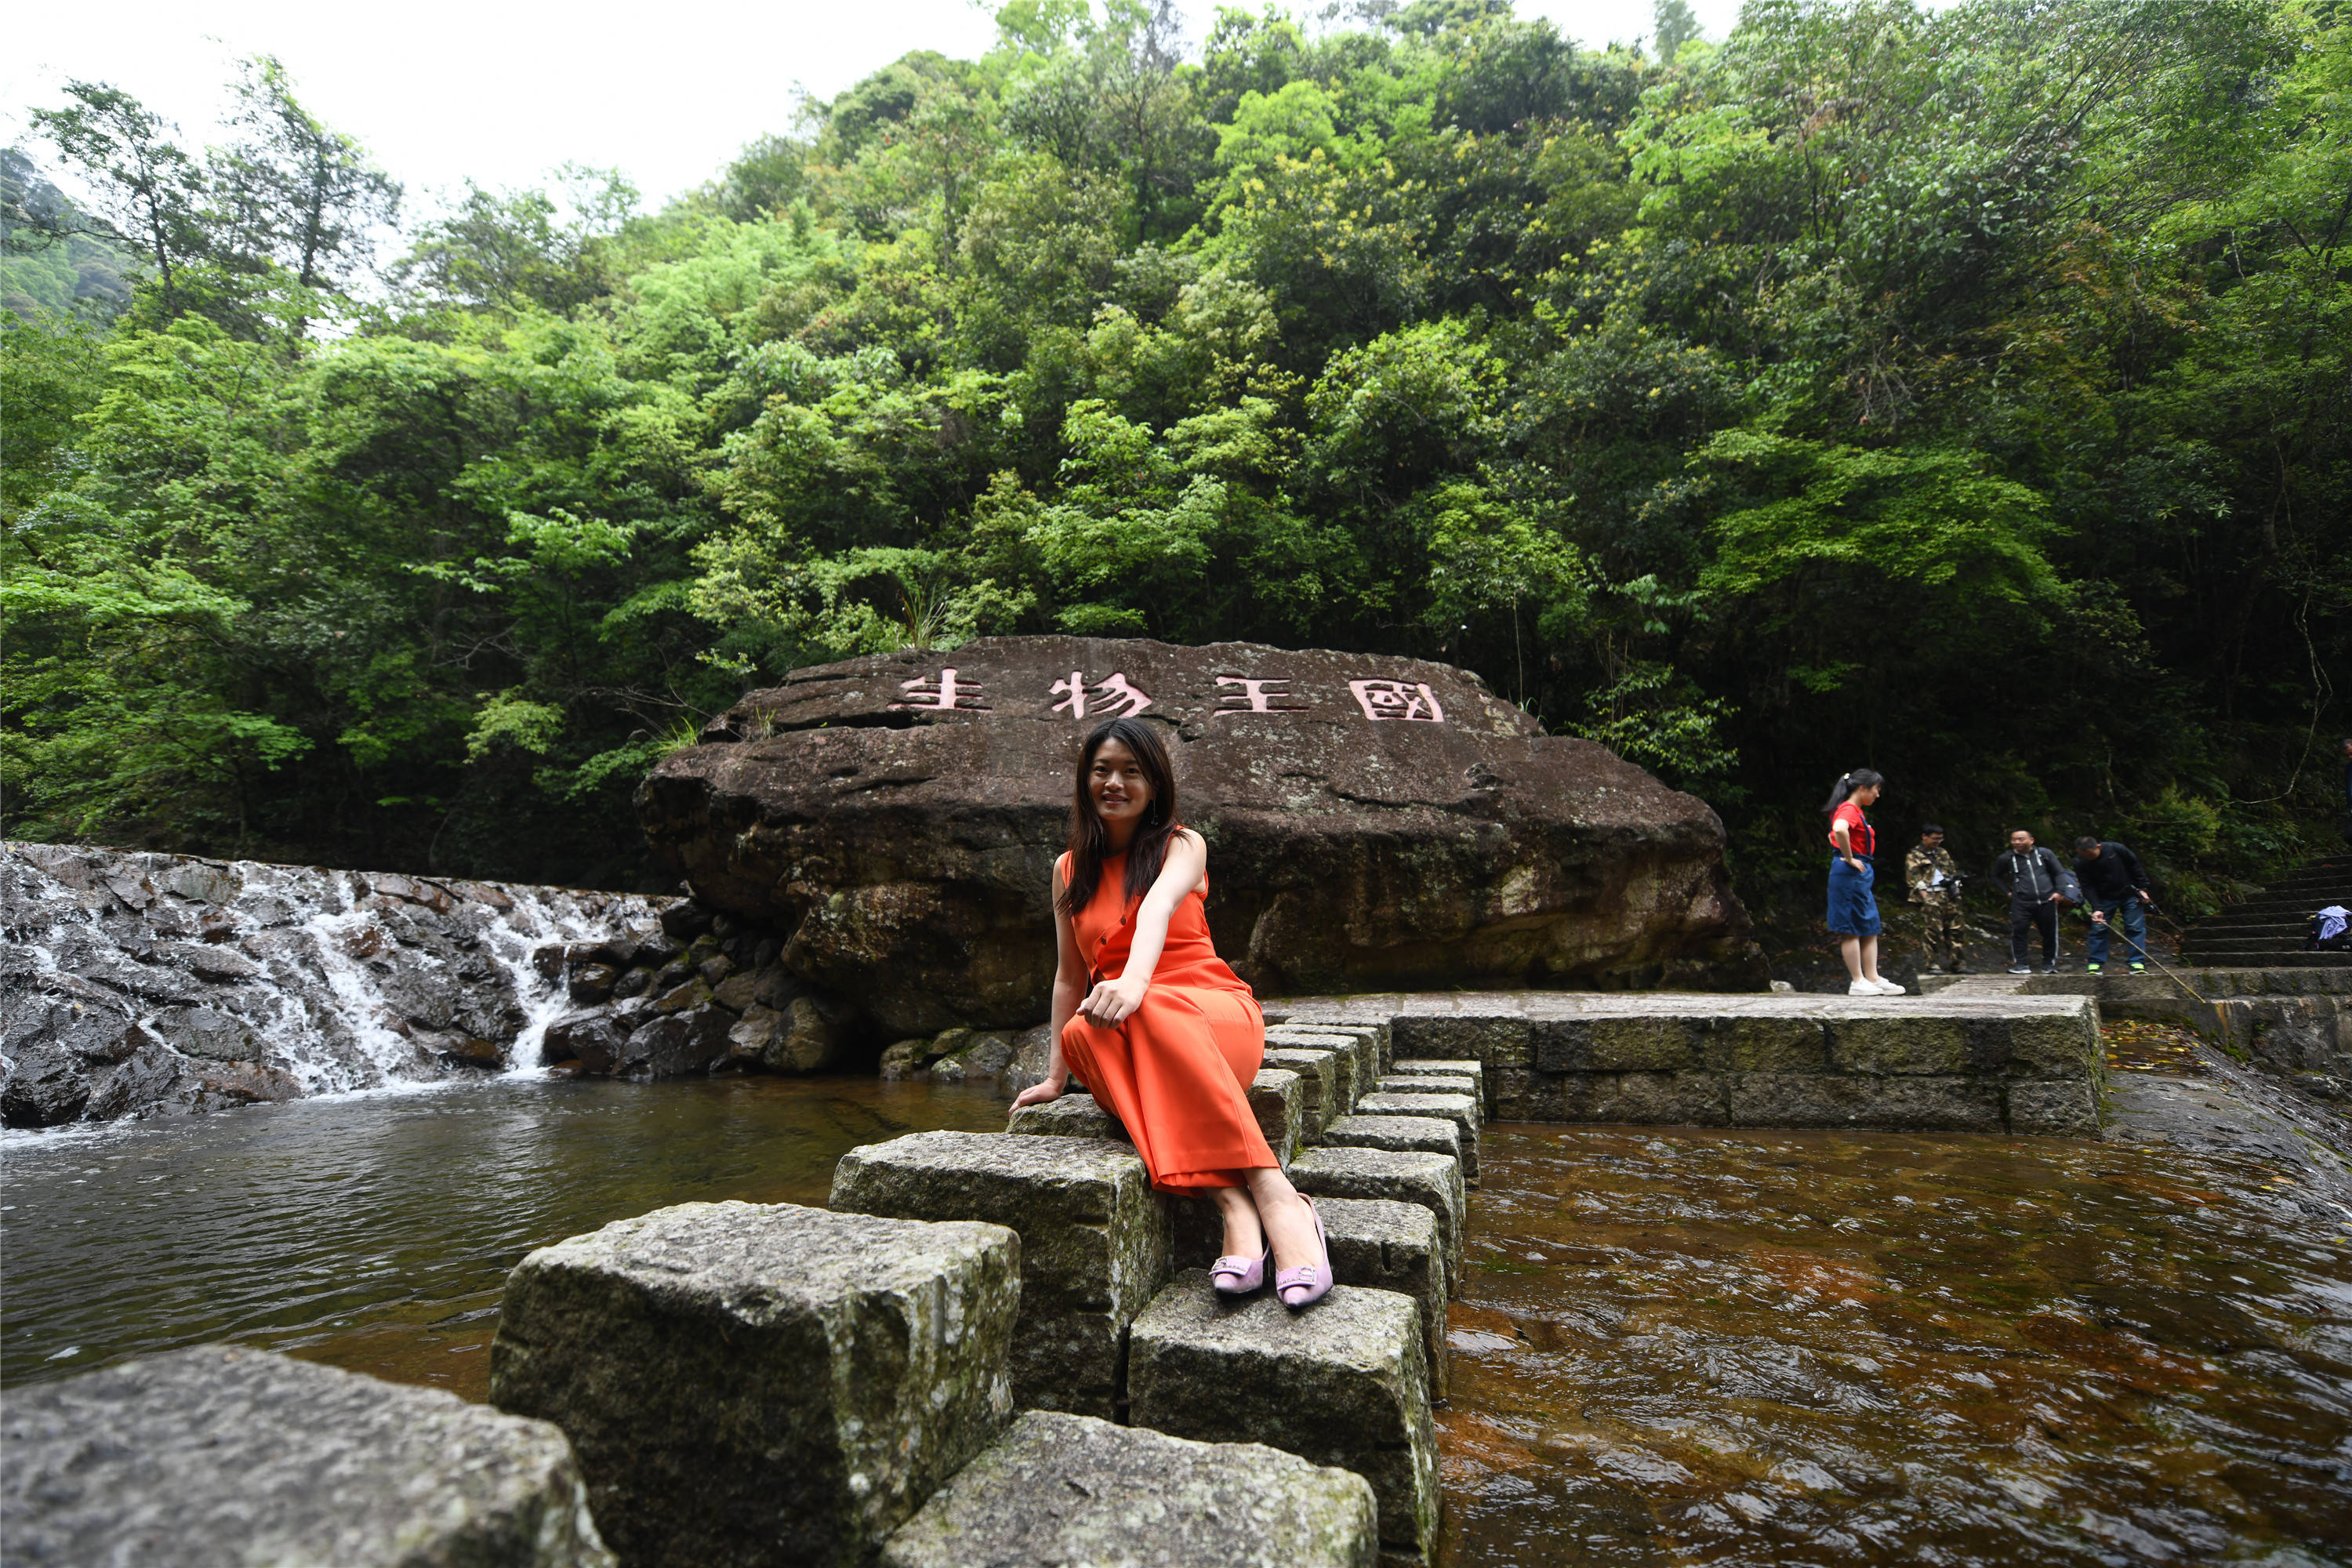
pixel 1674 1346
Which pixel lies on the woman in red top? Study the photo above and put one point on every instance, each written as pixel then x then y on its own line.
pixel 1853 910
pixel 1165 1035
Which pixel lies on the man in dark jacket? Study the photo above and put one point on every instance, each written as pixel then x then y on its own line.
pixel 2114 885
pixel 2033 878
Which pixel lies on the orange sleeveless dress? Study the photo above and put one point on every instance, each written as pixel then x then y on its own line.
pixel 1177 1072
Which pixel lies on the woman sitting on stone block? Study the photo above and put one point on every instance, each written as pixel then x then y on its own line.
pixel 1167 1037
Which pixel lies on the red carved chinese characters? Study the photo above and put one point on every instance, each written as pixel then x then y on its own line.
pixel 944 693
pixel 1253 696
pixel 1112 693
pixel 1396 699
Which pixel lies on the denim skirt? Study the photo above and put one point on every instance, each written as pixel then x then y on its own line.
pixel 1852 911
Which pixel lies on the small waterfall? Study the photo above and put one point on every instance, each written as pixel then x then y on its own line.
pixel 143 984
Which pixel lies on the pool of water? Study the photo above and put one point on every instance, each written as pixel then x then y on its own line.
pixel 1672 1346
pixel 375 1232
pixel 1695 1347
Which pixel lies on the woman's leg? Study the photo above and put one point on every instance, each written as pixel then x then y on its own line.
pixel 1245 1238
pixel 1288 1223
pixel 1868 959
pixel 1850 948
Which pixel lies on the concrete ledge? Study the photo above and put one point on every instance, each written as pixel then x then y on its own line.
pixel 222 1455
pixel 1094 1242
pixel 1066 1492
pixel 745 1382
pixel 1340 1383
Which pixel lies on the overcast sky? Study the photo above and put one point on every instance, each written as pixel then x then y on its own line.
pixel 441 90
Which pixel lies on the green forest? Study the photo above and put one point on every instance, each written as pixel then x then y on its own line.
pixel 1962 393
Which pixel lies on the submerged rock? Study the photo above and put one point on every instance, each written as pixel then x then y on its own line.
pixel 897 819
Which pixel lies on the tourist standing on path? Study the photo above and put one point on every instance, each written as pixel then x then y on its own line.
pixel 2033 880
pixel 1165 1035
pixel 2114 885
pixel 1934 883
pixel 1853 910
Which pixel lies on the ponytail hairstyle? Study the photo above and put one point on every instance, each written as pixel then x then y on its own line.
pixel 1147 851
pixel 1861 778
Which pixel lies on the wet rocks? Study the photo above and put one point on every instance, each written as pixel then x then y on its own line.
pixel 1128 1497
pixel 1344 1384
pixel 1093 1241
pixel 748 1383
pixel 897 816
pixel 225 1455
pixel 1432 1180
pixel 153 984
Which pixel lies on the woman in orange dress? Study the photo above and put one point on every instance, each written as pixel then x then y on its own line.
pixel 1165 1035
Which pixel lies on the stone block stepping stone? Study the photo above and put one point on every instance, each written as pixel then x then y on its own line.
pixel 1072 1116
pixel 1094 1242
pixel 1388 1246
pixel 1462 1110
pixel 1362 1045
pixel 1372 1033
pixel 1432 1181
pixel 1344 1382
pixel 1069 1491
pixel 1469 1067
pixel 747 1384
pixel 1277 1097
pixel 224 1456
pixel 1324 1077
pixel 1377 1243
pixel 1422 1134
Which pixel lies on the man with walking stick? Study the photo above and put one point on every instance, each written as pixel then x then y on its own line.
pixel 2114 884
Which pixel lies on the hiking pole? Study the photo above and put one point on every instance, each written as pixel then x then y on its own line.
pixel 2150 953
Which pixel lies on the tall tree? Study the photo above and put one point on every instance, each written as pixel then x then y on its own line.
pixel 296 190
pixel 151 190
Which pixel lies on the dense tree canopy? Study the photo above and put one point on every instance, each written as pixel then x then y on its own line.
pixel 1965 393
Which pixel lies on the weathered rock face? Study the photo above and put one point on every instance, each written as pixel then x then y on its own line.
pixel 221 1455
pixel 1372 821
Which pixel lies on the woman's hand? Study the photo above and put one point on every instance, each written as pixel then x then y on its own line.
pixel 1051 1089
pixel 1113 1001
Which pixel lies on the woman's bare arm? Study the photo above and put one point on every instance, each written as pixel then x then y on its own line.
pixel 1069 986
pixel 1113 1001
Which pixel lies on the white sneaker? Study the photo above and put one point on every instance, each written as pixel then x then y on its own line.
pixel 1861 988
pixel 1892 988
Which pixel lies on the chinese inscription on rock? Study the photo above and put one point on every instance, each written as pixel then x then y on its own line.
pixel 1378 701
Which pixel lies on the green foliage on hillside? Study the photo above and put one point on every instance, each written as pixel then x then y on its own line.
pixel 1962 393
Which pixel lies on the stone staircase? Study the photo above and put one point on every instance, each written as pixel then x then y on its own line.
pixel 2268 931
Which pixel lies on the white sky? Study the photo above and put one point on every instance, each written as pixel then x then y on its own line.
pixel 502 93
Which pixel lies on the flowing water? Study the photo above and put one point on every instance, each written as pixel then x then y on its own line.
pixel 1687 1347
pixel 1672 1346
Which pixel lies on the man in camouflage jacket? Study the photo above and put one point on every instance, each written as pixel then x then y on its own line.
pixel 1934 883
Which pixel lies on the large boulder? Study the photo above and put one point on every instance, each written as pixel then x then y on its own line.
pixel 1375 823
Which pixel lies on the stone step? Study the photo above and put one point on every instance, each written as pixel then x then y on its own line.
pixel 721 1368
pixel 1432 1181
pixel 1343 1383
pixel 1075 1115
pixel 1324 1082
pixel 223 1454
pixel 1276 1099
pixel 1470 1067
pixel 1423 1097
pixel 1375 1242
pixel 1368 1028
pixel 2015 1063
pixel 1094 1242
pixel 1061 1490
pixel 1357 1046
pixel 2272 960
pixel 1413 1134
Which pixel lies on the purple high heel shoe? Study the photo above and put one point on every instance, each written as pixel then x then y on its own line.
pixel 1240 1275
pixel 1311 1281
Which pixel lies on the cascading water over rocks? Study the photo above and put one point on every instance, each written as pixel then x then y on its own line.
pixel 138 984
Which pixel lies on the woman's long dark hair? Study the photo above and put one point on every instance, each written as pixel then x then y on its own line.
pixel 1147 851
pixel 1861 778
